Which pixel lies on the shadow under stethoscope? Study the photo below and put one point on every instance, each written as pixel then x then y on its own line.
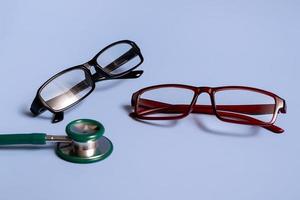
pixel 225 129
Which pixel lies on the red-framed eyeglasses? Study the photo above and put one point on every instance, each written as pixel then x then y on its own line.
pixel 235 104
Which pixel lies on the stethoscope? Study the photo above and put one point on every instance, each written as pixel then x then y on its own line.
pixel 84 142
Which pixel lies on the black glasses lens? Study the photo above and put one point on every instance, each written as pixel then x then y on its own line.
pixel 119 58
pixel 66 89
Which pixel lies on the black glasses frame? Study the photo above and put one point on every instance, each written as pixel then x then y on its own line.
pixel 38 105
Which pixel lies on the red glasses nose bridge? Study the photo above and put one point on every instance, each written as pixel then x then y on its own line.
pixel 208 109
pixel 200 90
pixel 204 90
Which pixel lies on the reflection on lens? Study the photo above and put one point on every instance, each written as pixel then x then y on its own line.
pixel 66 89
pixel 165 102
pixel 244 105
pixel 118 59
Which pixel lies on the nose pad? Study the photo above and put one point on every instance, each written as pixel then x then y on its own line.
pixel 93 70
pixel 90 67
pixel 203 99
pixel 202 112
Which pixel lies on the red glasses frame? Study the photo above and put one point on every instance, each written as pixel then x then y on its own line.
pixel 231 115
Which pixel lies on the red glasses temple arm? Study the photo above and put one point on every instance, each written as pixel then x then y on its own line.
pixel 257 109
pixel 207 109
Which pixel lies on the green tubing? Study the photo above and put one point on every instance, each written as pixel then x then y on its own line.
pixel 30 138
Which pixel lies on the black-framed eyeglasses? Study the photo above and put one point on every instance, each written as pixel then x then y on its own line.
pixel 69 87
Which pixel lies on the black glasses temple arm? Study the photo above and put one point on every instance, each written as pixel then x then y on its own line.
pixel 37 107
pixel 131 75
pixel 121 60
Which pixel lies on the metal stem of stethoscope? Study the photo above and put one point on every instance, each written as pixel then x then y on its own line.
pixel 58 138
pixel 84 149
pixel 84 142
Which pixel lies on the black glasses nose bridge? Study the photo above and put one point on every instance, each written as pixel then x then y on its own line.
pixel 91 67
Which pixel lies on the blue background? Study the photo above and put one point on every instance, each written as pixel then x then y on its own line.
pixel 213 43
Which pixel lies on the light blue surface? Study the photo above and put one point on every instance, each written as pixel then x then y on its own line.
pixel 214 43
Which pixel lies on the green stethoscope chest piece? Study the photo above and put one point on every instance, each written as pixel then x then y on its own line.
pixel 88 145
pixel 85 142
pixel 102 150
